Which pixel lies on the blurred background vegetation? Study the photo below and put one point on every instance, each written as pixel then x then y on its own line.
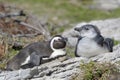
pixel 72 10
pixel 64 12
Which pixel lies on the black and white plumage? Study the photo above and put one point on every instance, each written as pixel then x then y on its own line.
pixel 91 42
pixel 33 54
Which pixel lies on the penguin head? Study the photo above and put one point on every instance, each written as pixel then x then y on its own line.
pixel 88 30
pixel 58 42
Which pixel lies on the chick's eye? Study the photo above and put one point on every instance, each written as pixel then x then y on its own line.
pixel 86 28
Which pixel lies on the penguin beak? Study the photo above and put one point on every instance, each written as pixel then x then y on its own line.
pixel 77 29
pixel 66 39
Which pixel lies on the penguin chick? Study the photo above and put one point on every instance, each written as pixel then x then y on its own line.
pixel 91 42
pixel 33 54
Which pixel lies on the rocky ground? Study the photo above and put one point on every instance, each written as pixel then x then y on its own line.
pixel 57 70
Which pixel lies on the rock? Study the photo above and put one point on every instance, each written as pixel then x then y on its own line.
pixel 109 28
pixel 109 57
pixel 8 75
pixel 25 74
pixel 53 70
pixel 57 70
pixel 17 46
pixel 106 4
pixel 19 74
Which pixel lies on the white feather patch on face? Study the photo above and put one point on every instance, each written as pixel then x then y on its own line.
pixel 26 61
pixel 56 52
pixel 52 41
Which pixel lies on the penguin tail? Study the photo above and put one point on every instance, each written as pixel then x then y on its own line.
pixel 109 43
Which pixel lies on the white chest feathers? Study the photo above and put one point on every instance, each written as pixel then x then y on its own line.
pixel 57 53
pixel 88 47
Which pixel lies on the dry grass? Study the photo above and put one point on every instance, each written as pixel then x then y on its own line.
pixel 6 51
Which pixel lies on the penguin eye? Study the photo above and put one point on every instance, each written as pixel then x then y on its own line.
pixel 55 40
pixel 59 39
pixel 86 28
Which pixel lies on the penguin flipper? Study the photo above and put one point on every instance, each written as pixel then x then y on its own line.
pixel 35 58
pixel 99 39
pixel 34 61
pixel 77 45
pixel 109 43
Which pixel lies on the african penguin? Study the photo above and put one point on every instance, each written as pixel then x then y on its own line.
pixel 33 54
pixel 91 43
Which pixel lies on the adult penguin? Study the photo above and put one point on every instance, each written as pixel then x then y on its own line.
pixel 33 54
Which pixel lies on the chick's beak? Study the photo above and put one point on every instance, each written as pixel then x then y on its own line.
pixel 77 29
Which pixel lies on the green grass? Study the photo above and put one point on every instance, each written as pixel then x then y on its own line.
pixel 70 52
pixel 64 10
pixel 8 56
pixel 96 71
pixel 116 42
pixel 12 52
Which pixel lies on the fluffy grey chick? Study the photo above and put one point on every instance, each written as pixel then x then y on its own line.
pixel 91 42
